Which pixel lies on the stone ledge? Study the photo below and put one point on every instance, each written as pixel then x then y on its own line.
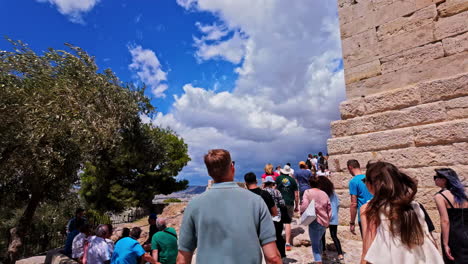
pixel 425 92
pixel 430 70
pixel 411 116
pixel 412 157
pixel 391 139
pixel 440 133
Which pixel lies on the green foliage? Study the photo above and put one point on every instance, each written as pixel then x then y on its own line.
pixel 56 112
pixel 143 165
pixel 172 200
pixel 60 115
pixel 47 228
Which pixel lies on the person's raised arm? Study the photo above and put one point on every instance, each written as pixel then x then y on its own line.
pixel 353 213
pixel 369 231
pixel 444 224
pixel 184 257
pixel 272 255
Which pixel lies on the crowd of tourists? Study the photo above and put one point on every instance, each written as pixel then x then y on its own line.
pixel 229 224
pixel 88 246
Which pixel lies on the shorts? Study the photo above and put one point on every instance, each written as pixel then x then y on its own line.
pixel 290 211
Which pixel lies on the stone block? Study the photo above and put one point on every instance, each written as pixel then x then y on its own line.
pixel 337 163
pixel 352 12
pixel 346 3
pixel 363 71
pixel 358 25
pixel 441 133
pixel 396 138
pixel 386 11
pixel 457 108
pixel 344 198
pixel 426 197
pixel 412 57
pixel 407 40
pixel 455 44
pixel 360 48
pixel 341 179
pixel 425 175
pixel 452 7
pixel 407 23
pixel 448 88
pixel 431 70
pixel 451 26
pixel 415 157
pixel 380 102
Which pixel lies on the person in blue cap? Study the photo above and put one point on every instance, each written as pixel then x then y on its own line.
pixel 152 230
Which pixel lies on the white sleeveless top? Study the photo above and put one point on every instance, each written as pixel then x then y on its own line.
pixel 386 249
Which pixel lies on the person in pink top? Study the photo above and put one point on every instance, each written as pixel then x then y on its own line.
pixel 323 212
pixel 269 172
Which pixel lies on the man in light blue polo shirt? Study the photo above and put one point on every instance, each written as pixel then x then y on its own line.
pixel 359 193
pixel 227 224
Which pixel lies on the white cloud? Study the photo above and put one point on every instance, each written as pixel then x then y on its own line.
pixel 74 9
pixel 288 88
pixel 231 50
pixel 147 67
pixel 187 4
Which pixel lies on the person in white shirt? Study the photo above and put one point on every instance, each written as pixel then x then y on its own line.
pixel 108 239
pixel 79 242
pixel 98 250
pixel 292 170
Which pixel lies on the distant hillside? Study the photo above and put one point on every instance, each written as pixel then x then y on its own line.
pixel 184 195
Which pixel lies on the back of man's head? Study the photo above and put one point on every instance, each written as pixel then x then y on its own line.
pixel 353 164
pixel 161 223
pixel 135 232
pixel 250 178
pixel 320 154
pixel 218 162
pixel 310 155
pixel 102 231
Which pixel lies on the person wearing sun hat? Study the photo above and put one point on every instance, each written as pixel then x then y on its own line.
pixel 288 188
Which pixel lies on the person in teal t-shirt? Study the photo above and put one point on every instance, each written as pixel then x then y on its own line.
pixel 164 243
pixel 359 193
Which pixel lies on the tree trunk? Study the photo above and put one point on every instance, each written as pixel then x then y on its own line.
pixel 18 233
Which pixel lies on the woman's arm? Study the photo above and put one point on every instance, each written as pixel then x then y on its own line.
pixel 369 231
pixel 305 201
pixel 444 224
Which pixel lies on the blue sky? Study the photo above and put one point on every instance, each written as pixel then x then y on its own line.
pixel 262 79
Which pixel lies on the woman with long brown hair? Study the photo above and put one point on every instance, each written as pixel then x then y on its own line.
pixel 393 223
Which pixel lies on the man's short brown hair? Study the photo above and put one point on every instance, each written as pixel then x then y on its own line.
pixel 353 164
pixel 218 162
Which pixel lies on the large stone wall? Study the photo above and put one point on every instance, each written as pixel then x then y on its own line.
pixel 406 72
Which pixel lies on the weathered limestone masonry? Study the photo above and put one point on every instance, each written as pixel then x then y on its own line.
pixel 406 71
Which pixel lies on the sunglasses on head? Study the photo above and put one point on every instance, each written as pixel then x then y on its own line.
pixel 438 177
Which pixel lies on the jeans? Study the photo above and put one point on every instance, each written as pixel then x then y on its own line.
pixel 316 232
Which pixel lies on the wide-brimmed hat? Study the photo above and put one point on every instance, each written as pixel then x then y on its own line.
pixel 286 170
pixel 269 179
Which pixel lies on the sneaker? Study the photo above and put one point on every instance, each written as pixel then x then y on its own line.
pixel 288 247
